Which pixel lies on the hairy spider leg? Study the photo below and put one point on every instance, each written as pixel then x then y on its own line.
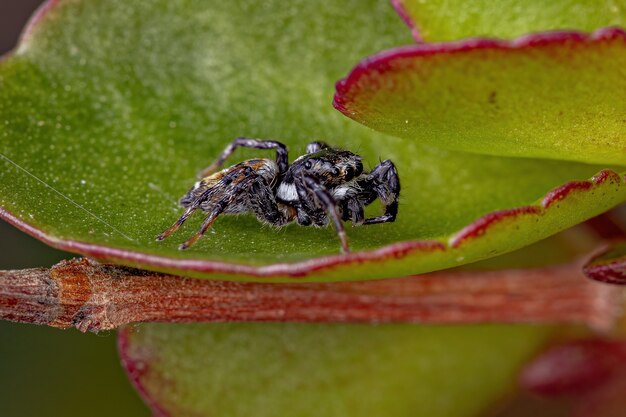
pixel 330 205
pixel 179 222
pixel 193 206
pixel 353 210
pixel 229 196
pixel 308 213
pixel 188 212
pixel 282 159
pixel 215 212
pixel 316 147
pixel 266 208
pixel 386 184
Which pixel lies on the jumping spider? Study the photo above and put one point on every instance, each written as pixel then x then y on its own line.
pixel 324 183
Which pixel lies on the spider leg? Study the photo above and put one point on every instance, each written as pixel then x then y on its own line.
pixel 213 200
pixel 385 218
pixel 265 207
pixel 178 222
pixel 217 210
pixel 191 207
pixel 282 159
pixel 386 184
pixel 316 147
pixel 308 212
pixel 327 200
pixel 229 196
pixel 353 211
pixel 303 218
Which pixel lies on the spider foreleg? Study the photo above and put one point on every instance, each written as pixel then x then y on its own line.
pixel 330 206
pixel 308 212
pixel 386 184
pixel 282 158
pixel 385 218
pixel 353 211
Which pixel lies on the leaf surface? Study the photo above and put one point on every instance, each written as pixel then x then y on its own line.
pixel 331 370
pixel 558 95
pixel 108 109
pixel 456 19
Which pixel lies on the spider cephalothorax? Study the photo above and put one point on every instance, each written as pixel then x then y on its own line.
pixel 324 184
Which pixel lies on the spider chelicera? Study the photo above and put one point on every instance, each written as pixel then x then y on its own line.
pixel 324 184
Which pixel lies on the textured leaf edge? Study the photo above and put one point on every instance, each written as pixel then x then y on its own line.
pixel 380 62
pixel 398 5
pixel 135 369
pixel 333 265
pixel 609 266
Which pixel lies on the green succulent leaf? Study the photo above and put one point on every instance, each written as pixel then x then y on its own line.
pixel 108 109
pixel 456 19
pixel 330 370
pixel 559 95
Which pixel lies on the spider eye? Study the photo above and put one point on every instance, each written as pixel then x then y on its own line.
pixel 349 173
pixel 308 164
pixel 335 172
pixel 359 169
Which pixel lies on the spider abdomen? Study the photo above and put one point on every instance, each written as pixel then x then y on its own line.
pixel 212 186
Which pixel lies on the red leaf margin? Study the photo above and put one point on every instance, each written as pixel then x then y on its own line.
pixel 609 266
pixel 308 268
pixel 398 5
pixel 382 62
pixel 136 369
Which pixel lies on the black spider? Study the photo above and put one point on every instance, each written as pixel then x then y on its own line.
pixel 324 183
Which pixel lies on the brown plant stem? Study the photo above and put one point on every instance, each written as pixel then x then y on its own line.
pixel 92 297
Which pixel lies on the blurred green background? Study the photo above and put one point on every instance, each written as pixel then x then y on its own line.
pixel 47 372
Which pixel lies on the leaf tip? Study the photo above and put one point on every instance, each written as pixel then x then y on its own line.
pixel 608 266
pixel 34 21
